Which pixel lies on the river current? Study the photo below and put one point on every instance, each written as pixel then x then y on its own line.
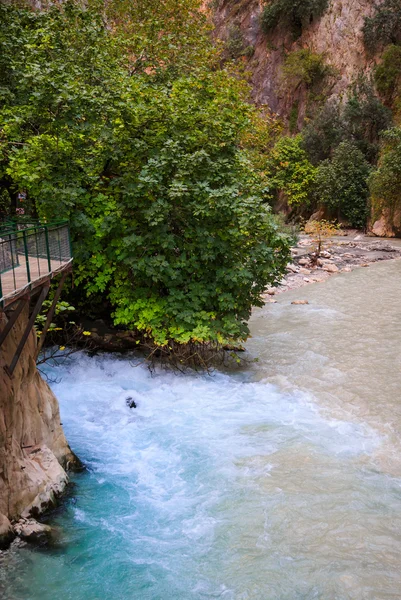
pixel 278 482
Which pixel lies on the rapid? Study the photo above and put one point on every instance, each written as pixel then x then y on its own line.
pixel 280 481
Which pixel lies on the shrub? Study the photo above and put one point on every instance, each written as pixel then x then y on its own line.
pixel 388 74
pixel 321 232
pixel 292 14
pixel 385 181
pixel 305 67
pixel 384 27
pixel 342 184
pixel 236 45
pixel 290 171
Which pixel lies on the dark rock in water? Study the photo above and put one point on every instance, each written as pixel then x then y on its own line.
pixel 130 402
pixel 6 532
pixel 33 532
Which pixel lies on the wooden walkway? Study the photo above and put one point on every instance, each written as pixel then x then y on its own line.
pixel 15 281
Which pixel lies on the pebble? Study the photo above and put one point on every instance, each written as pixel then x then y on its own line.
pixel 299 302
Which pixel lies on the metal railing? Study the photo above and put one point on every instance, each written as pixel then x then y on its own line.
pixel 30 253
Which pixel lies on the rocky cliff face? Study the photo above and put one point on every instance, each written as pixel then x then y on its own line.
pixel 34 454
pixel 337 35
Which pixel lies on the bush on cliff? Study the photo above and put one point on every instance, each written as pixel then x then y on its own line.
pixel 166 202
pixel 292 14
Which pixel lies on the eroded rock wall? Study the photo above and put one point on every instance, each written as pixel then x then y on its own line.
pixel 34 453
pixel 337 34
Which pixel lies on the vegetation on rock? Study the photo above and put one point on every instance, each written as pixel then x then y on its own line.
pixel 292 14
pixel 384 27
pixel 388 75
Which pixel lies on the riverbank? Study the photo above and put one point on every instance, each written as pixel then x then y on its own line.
pixel 341 255
pixel 279 480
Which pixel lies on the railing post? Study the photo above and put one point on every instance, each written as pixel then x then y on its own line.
pixel 59 244
pixel 28 270
pixel 49 262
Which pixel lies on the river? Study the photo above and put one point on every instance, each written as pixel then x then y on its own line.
pixel 279 482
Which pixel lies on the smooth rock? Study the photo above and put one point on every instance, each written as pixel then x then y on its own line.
pixel 331 268
pixel 304 261
pixel 299 302
pixel 304 271
pixel 292 268
pixel 31 531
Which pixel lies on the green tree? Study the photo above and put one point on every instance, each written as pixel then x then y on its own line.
pixel 342 184
pixel 361 120
pixel 290 172
pixel 388 75
pixel 384 26
pixel 385 181
pixel 153 168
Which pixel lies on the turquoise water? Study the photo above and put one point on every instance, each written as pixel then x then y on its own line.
pixel 272 483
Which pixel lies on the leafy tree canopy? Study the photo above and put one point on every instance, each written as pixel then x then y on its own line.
pixel 290 171
pixel 385 182
pixel 341 184
pixel 384 26
pixel 159 172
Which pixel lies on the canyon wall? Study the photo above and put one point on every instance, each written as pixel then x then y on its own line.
pixel 337 35
pixel 34 453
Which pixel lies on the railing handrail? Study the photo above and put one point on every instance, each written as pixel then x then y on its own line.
pixel 30 254
pixel 10 230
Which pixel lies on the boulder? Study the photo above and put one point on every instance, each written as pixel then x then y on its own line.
pixel 331 268
pixel 6 532
pixel 33 532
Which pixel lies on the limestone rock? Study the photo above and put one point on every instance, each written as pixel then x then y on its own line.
pixel 304 261
pixel 33 450
pixel 31 531
pixel 331 268
pixel 6 532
